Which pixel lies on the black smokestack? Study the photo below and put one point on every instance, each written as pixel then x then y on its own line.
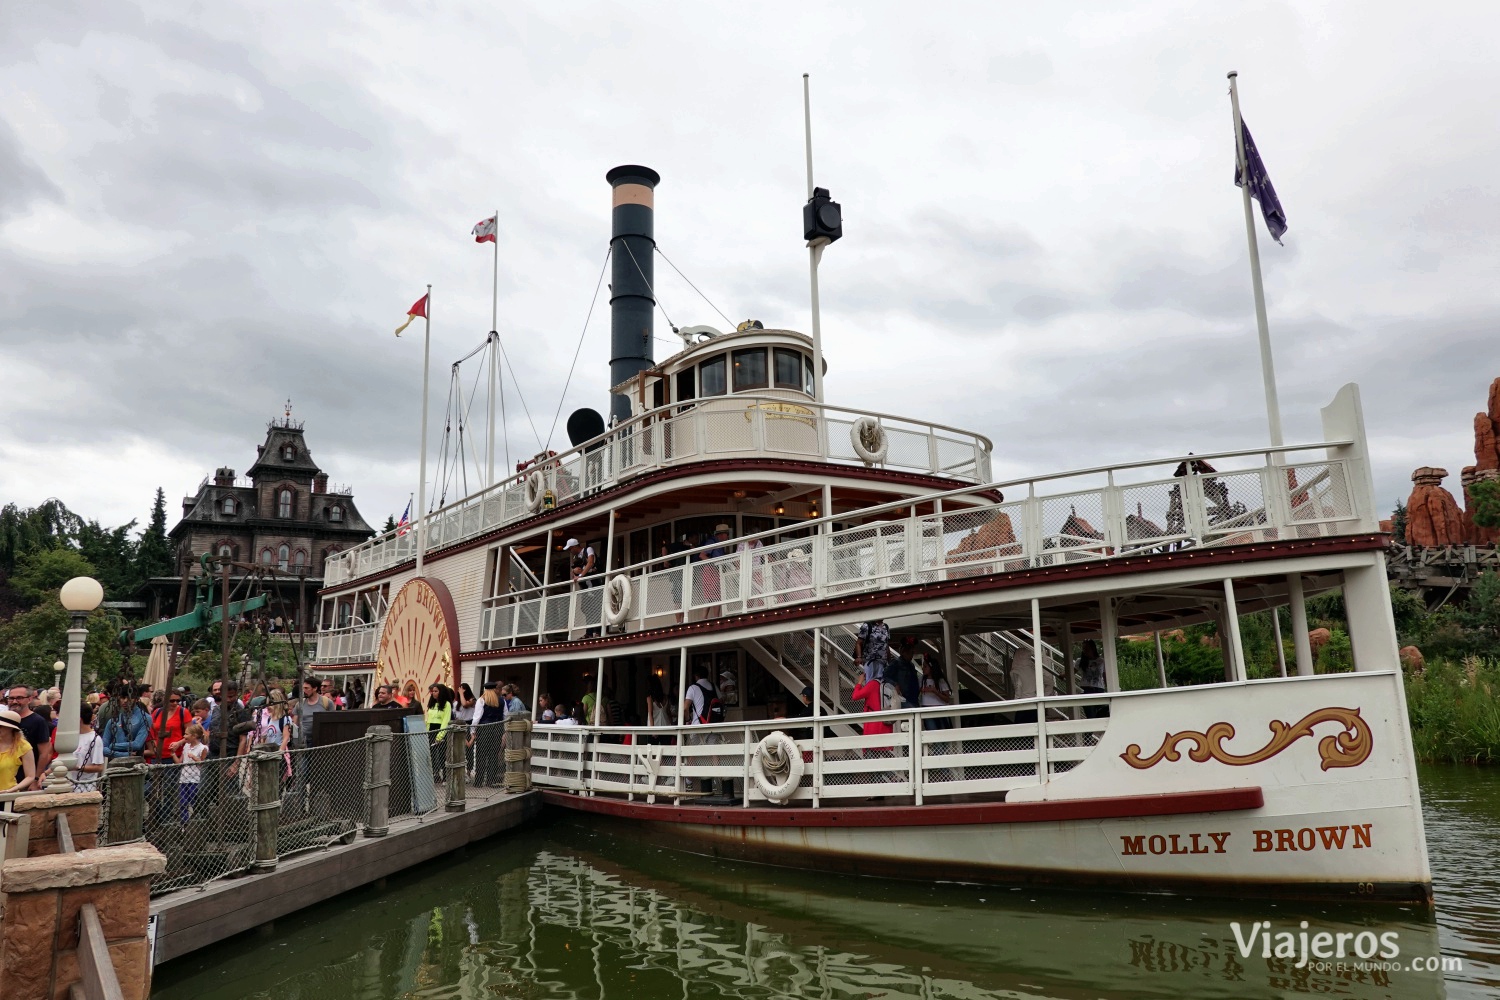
pixel 631 303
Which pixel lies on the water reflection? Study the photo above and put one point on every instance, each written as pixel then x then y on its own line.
pixel 576 911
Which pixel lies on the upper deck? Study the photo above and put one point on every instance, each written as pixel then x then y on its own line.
pixel 738 425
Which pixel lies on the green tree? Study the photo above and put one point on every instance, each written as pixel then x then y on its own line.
pixel 112 554
pixel 1484 496
pixel 33 640
pixel 48 525
pixel 1398 523
pixel 39 574
pixel 390 523
pixel 153 555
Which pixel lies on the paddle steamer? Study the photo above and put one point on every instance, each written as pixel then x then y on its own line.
pixel 1299 784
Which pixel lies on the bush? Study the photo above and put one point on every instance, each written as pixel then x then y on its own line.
pixel 1454 708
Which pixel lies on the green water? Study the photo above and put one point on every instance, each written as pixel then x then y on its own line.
pixel 575 908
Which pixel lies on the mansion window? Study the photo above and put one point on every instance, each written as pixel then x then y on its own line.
pixel 226 551
pixel 289 453
pixel 299 559
pixel 265 557
pixel 229 505
pixel 283 554
pixel 284 504
pixel 336 513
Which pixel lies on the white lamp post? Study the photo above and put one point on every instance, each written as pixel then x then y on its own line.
pixel 79 596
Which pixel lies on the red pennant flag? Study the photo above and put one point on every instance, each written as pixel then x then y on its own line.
pixel 419 308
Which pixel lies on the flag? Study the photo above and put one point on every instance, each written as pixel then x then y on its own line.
pixel 484 232
pixel 419 308
pixel 404 525
pixel 1260 187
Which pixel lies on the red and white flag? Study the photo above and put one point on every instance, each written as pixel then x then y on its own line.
pixel 419 308
pixel 484 232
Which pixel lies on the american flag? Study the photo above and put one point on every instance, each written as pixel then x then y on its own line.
pixel 404 525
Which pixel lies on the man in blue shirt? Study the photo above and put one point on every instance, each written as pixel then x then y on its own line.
pixel 126 732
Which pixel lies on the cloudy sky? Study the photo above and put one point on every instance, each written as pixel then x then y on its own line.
pixel 206 209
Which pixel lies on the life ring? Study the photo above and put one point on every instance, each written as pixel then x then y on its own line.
pixel 617 599
pixel 536 490
pixel 869 440
pixel 777 756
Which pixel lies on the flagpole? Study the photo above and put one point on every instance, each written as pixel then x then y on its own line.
pixel 422 462
pixel 489 475
pixel 497 378
pixel 815 252
pixel 1267 366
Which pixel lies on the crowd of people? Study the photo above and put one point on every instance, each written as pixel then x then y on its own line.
pixel 179 726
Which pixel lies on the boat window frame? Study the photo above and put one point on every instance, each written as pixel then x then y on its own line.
pixel 720 361
pixel 735 369
pixel 796 384
pixel 809 378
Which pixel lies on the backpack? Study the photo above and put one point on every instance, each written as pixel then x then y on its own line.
pixel 713 708
pixel 904 675
pixel 890 696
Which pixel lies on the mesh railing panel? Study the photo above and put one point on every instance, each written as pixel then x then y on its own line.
pixel 416 774
pixel 204 827
pixel 322 796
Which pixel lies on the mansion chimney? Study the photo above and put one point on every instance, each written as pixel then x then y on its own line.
pixel 631 302
pixel 223 476
pixel 320 483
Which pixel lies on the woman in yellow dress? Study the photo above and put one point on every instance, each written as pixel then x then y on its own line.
pixel 17 769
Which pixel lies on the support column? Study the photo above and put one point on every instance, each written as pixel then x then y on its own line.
pixel 1300 642
pixel 817 677
pixel 1276 635
pixel 457 765
pixel 1067 651
pixel 378 740
pixel 1372 626
pixel 265 788
pixel 1043 769
pixel 124 800
pixel 1109 628
pixel 950 654
pixel 1161 660
pixel 1232 620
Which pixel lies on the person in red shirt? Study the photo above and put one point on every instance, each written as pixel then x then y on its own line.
pixel 170 731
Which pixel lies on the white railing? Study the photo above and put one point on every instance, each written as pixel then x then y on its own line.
pixel 735 426
pixel 351 644
pixel 976 536
pixel 930 753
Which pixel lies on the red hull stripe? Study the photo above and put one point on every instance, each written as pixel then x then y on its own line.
pixel 956 814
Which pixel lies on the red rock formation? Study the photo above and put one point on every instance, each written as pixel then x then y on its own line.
pixel 1432 515
pixel 1487 432
pixel 1411 659
pixel 1317 639
pixel 1474 532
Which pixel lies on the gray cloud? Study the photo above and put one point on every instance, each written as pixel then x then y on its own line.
pixel 205 209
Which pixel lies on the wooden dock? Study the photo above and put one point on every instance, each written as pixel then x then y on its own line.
pixel 194 918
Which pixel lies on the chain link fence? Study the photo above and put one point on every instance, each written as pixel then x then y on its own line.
pixel 202 816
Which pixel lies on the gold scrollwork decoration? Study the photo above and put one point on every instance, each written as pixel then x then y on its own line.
pixel 1349 748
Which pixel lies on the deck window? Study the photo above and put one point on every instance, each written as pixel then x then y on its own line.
pixel 788 369
pixel 685 388
pixel 808 382
pixel 711 377
pixel 750 369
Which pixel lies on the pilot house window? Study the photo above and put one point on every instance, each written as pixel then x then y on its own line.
pixel 750 369
pixel 284 503
pixel 788 369
pixel 711 377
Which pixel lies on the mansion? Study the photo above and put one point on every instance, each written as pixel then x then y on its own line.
pixel 282 515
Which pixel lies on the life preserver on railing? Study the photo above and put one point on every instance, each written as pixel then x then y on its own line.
pixel 536 490
pixel 617 598
pixel 776 766
pixel 869 440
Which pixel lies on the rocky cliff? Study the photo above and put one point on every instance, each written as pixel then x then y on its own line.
pixel 1433 517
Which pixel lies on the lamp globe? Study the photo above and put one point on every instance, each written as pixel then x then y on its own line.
pixel 82 594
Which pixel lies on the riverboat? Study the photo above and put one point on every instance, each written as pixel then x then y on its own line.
pixel 816 518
